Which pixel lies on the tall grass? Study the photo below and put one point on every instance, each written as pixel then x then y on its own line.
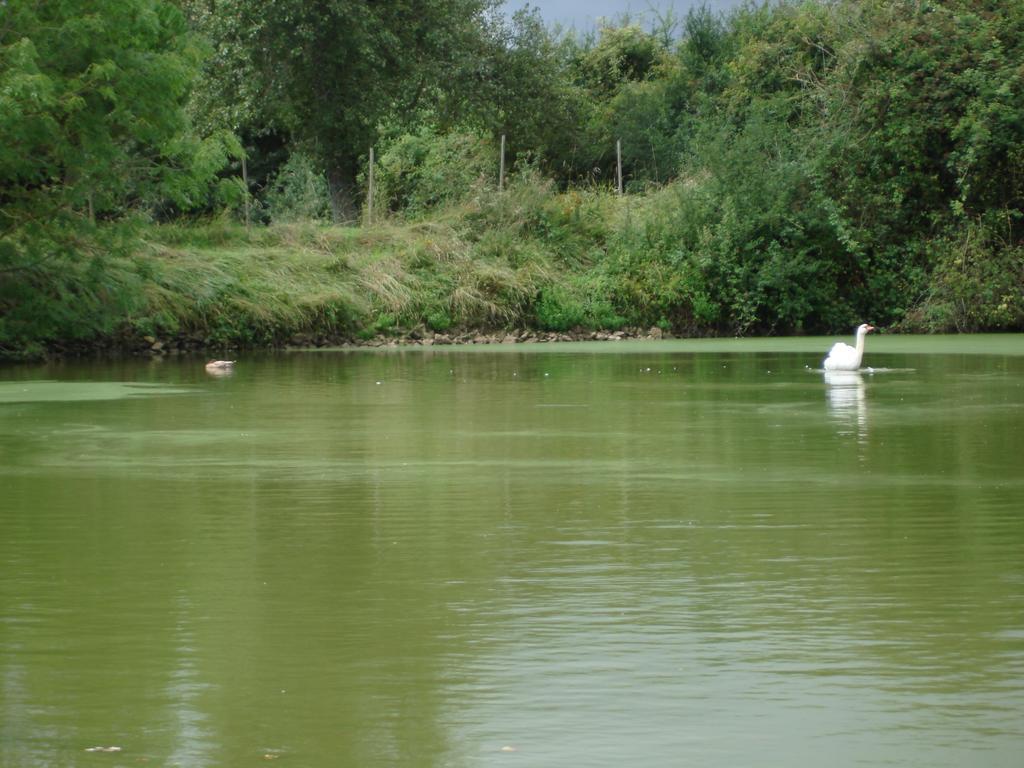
pixel 528 257
pixel 499 260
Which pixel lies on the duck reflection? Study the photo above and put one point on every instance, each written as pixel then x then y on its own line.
pixel 847 401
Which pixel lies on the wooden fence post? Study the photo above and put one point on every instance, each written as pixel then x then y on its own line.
pixel 369 193
pixel 618 164
pixel 245 183
pixel 501 171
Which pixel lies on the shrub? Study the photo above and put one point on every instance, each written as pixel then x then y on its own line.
pixel 976 286
pixel 559 310
pixel 299 192
pixel 420 172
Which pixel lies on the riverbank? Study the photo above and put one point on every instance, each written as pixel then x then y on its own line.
pixel 526 266
pixel 185 344
pixel 783 170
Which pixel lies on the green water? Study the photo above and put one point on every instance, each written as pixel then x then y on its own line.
pixel 662 554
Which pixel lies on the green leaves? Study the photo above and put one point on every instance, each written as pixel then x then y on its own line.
pixel 330 72
pixel 91 105
pixel 92 132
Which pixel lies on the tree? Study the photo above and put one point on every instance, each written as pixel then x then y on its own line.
pixel 330 72
pixel 519 83
pixel 621 54
pixel 92 127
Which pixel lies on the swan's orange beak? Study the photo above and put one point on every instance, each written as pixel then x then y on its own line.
pixel 871 328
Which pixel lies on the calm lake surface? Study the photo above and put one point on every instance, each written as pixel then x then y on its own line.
pixel 636 554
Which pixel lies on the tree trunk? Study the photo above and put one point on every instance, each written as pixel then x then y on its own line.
pixel 343 203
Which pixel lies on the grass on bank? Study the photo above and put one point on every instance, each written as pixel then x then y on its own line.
pixel 529 257
pixel 265 285
pixel 524 259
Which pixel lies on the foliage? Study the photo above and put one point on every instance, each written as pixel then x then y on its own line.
pixel 791 167
pixel 519 83
pixel 421 172
pixel 830 164
pixel 621 54
pixel 92 129
pixel 299 192
pixel 329 72
pixel 976 286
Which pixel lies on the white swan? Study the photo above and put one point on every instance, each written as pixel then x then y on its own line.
pixel 843 357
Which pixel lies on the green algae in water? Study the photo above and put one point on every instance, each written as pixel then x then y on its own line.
pixel 78 391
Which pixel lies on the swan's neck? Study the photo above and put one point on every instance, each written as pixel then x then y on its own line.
pixel 860 347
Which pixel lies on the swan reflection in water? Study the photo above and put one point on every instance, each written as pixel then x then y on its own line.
pixel 847 401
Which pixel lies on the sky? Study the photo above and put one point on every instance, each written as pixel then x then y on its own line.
pixel 583 14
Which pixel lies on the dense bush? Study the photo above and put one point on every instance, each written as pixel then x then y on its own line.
pixel 419 173
pixel 977 285
pixel 299 192
pixel 833 155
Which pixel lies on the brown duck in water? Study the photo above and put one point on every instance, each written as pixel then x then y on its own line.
pixel 220 366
